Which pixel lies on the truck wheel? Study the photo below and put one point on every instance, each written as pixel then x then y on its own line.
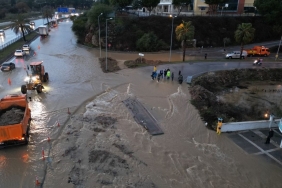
pixel 23 89
pixel 47 76
pixel 26 136
pixel 39 89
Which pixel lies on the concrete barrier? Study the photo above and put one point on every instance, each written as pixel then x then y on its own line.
pixel 248 125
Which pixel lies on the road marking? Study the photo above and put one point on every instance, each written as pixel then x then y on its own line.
pixel 264 137
pixel 270 150
pixel 264 152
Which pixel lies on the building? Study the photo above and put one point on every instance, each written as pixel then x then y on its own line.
pixel 199 7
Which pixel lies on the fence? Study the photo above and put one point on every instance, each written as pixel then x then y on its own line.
pixel 3 46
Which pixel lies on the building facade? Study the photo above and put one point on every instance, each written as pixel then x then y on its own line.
pixel 199 7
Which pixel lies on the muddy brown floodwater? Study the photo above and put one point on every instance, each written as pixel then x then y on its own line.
pixel 100 145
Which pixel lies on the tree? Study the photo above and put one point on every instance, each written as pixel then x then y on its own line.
pixel 13 2
pixel 22 7
pixel 121 3
pixel 136 4
pixel 271 9
pixel 244 34
pixel 184 32
pixel 180 3
pixel 47 13
pixel 96 10
pixel 21 25
pixel 149 4
pixel 213 5
pixel 79 27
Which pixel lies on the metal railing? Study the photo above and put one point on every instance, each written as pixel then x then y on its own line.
pixel 3 46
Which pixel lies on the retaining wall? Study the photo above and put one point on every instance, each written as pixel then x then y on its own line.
pixel 240 126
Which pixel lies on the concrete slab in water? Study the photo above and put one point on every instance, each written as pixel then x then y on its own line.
pixel 142 116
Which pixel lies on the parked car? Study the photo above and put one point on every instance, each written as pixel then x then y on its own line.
pixel 236 54
pixel 19 53
pixel 7 66
pixel 26 47
pixel 2 32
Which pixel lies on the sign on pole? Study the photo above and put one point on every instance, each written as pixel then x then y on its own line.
pixel 141 55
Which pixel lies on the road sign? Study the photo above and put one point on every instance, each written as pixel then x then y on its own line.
pixel 140 54
pixel 63 9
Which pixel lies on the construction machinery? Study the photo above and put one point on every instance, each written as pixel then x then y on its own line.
pixel 35 79
pixel 15 117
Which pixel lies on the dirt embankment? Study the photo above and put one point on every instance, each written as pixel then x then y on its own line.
pixel 237 95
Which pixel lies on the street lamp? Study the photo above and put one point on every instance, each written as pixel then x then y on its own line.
pixel 276 56
pixel 107 43
pixel 99 32
pixel 171 35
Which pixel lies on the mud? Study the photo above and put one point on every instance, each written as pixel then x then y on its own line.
pixel 12 116
pixel 109 163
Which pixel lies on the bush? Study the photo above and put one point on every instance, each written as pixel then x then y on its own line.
pixel 149 42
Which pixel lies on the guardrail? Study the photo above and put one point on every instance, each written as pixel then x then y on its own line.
pixel 2 47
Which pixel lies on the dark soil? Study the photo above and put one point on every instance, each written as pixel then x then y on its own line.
pixel 11 116
pixel 107 162
pixel 139 62
pixel 206 89
pixel 112 65
pixel 105 121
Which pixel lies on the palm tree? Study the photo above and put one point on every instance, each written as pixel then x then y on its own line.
pixel 244 34
pixel 185 31
pixel 47 13
pixel 21 25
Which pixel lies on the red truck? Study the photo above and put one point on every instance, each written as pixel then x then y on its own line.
pixel 15 120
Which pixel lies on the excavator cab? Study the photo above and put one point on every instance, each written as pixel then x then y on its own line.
pixel 35 79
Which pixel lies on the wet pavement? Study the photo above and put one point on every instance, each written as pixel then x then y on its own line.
pixel 253 143
pixel 99 143
pixel 10 35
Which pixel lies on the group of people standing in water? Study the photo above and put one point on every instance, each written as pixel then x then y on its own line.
pixel 165 74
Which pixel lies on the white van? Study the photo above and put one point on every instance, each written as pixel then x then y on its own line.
pixel 236 54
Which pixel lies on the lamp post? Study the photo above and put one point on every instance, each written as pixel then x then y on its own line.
pixel 276 56
pixel 171 35
pixel 99 32
pixel 107 43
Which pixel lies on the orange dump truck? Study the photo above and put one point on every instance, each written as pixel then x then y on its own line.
pixel 258 51
pixel 15 120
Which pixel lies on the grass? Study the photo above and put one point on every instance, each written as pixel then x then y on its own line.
pixel 8 52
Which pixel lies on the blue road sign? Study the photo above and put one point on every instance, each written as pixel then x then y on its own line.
pixel 63 9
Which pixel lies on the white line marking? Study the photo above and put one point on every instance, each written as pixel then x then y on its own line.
pixel 261 149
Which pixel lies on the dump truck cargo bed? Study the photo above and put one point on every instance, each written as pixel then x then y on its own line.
pixel 15 120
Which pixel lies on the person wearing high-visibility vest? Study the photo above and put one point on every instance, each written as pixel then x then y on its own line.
pixel 219 125
pixel 168 74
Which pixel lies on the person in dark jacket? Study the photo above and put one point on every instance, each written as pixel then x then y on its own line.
pixel 270 135
pixel 165 71
pixel 180 79
pixel 172 76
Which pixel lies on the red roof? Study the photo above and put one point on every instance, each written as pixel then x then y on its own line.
pixel 36 63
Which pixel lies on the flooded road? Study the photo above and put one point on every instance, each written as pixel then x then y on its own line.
pixel 101 145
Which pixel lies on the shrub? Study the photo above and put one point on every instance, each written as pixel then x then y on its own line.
pixel 149 42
